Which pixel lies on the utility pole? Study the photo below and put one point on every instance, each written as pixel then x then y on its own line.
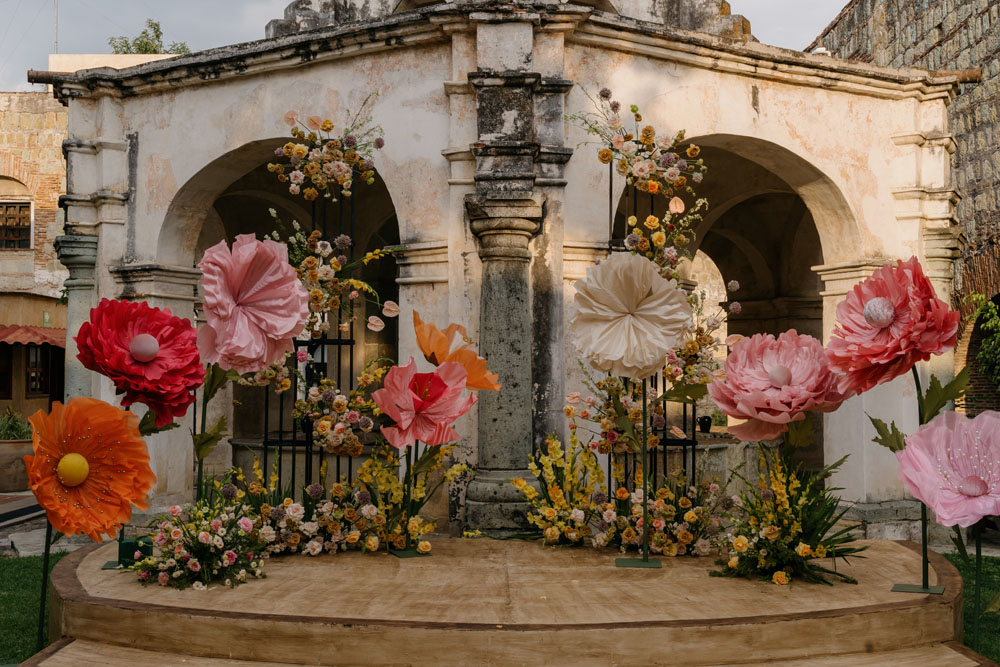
pixel 55 26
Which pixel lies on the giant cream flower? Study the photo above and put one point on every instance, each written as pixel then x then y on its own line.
pixel 627 316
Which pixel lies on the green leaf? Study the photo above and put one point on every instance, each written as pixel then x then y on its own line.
pixel 936 396
pixel 205 442
pixel 888 436
pixel 147 425
pixel 683 393
pixel 216 379
pixel 994 606
pixel 800 434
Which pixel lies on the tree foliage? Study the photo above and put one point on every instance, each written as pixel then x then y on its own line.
pixel 987 314
pixel 150 40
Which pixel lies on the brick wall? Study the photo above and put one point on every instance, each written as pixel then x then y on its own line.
pixel 32 129
pixel 940 35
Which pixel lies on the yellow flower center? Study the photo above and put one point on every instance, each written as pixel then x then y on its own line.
pixel 72 469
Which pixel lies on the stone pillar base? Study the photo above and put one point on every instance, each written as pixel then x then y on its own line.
pixel 493 505
pixel 895 520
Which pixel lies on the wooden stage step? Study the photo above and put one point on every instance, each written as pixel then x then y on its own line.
pixel 82 653
pixel 487 602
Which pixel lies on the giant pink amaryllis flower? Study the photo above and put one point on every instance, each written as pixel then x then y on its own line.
pixel 423 405
pixel 887 324
pixel 771 382
pixel 254 304
pixel 952 464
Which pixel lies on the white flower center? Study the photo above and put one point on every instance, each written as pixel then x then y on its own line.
pixel 973 486
pixel 879 312
pixel 144 348
pixel 779 376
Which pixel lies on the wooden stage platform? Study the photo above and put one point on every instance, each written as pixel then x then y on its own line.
pixel 486 602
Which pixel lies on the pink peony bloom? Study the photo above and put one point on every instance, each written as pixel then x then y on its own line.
pixel 194 565
pixel 175 510
pixel 423 405
pixel 952 464
pixel 245 524
pixel 254 304
pixel 887 324
pixel 771 382
pixel 163 578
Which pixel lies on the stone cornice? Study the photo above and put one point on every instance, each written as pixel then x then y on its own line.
pixel 434 24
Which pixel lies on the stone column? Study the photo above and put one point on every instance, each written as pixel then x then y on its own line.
pixel 78 253
pixel 504 229
pixel 504 213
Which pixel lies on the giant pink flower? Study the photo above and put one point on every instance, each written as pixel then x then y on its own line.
pixel 423 405
pixel 771 382
pixel 887 324
pixel 952 464
pixel 254 304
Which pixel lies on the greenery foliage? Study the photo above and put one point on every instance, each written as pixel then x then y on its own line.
pixel 987 314
pixel 20 579
pixel 13 426
pixel 150 40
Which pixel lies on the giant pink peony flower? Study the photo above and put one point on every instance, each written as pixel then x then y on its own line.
pixel 423 405
pixel 773 382
pixel 254 304
pixel 952 464
pixel 887 324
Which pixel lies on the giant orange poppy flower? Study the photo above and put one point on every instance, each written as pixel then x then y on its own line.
pixel 89 467
pixel 452 344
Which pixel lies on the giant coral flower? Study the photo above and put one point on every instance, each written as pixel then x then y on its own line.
pixel 89 466
pixel 952 464
pixel 254 304
pixel 887 324
pixel 453 344
pixel 771 382
pixel 423 405
pixel 149 354
pixel 628 316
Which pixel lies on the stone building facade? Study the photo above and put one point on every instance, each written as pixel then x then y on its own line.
pixel 953 35
pixel 32 319
pixel 501 203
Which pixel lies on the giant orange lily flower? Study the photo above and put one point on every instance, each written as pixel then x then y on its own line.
pixel 89 467
pixel 452 344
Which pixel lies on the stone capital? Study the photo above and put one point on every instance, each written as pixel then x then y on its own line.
pixel 505 226
pixel 78 253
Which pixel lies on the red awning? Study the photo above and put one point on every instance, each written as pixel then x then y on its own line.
pixel 19 333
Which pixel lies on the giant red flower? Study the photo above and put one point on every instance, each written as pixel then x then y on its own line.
pixel 89 466
pixel 887 324
pixel 770 382
pixel 254 304
pixel 423 405
pixel 150 355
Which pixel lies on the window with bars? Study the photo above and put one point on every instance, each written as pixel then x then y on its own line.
pixel 15 225
pixel 37 370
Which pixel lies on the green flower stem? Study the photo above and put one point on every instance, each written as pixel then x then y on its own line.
pixel 645 478
pixel 978 529
pixel 925 563
pixel 204 420
pixel 45 585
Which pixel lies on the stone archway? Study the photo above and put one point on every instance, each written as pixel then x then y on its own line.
pixel 772 217
pixel 236 194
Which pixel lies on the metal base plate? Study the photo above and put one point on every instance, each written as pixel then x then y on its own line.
pixel 638 562
pixel 916 588
pixel 407 553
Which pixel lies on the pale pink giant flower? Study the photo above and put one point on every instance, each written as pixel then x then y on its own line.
pixel 423 405
pixel 887 324
pixel 254 304
pixel 952 464
pixel 771 382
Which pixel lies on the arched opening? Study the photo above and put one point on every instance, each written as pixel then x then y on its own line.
pixel 771 217
pixel 236 194
pixel 983 393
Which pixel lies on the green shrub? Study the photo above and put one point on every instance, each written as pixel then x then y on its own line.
pixel 13 426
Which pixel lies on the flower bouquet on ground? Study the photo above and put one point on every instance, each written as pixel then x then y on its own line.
pixel 213 540
pixel 571 491
pixel 684 518
pixel 786 522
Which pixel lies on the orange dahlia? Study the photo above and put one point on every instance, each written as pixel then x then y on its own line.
pixel 89 467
